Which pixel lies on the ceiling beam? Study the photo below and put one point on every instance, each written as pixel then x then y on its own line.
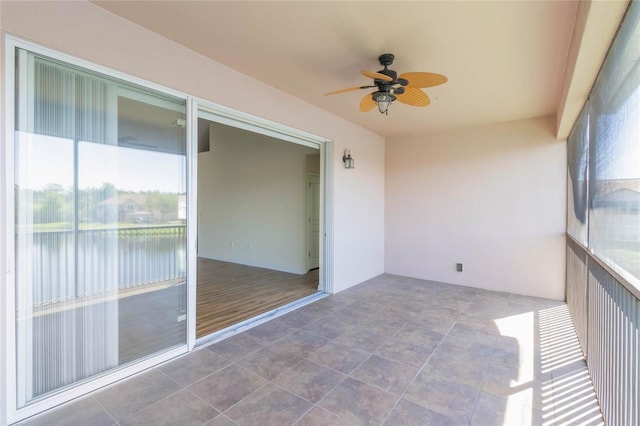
pixel 596 25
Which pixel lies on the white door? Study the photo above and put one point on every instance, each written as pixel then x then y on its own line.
pixel 313 221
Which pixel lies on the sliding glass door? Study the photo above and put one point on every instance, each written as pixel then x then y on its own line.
pixel 100 225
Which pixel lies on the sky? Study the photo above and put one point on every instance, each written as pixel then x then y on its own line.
pixel 43 160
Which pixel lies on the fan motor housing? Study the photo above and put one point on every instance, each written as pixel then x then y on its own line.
pixel 390 73
pixel 386 59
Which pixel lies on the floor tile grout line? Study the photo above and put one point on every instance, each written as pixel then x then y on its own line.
pixel 206 402
pixel 180 388
pixel 421 369
pixel 303 414
pixel 226 410
pixel 286 370
pixel 318 364
pixel 209 375
pixel 480 386
pixel 316 404
pixel 199 379
pixel 313 404
pixel 234 360
pixel 327 394
pixel 273 383
pixel 105 409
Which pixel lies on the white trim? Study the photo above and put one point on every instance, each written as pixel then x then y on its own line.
pixel 140 96
pixel 7 291
pixel 92 385
pixel 326 218
pixel 192 219
pixel 224 115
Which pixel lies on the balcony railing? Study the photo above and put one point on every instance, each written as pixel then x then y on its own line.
pixel 107 260
pixel 606 312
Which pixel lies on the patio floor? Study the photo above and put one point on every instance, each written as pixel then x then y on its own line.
pixel 392 351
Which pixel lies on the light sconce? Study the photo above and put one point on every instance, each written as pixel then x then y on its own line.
pixel 349 162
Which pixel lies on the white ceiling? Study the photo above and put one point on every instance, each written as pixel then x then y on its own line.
pixel 505 60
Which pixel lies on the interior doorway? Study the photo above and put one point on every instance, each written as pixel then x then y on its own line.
pixel 259 218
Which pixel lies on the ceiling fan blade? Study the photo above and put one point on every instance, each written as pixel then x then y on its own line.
pixel 374 75
pixel 367 103
pixel 348 89
pixel 424 79
pixel 414 97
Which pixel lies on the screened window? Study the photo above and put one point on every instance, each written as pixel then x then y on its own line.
pixel 610 126
pixel 578 149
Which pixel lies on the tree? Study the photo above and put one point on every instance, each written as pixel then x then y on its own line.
pixel 49 204
pixel 162 202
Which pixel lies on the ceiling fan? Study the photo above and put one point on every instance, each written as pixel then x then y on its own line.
pixel 390 87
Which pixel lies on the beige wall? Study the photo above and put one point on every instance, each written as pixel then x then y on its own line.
pixel 490 197
pixel 252 200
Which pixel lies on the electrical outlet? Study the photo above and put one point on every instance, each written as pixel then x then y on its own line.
pixel 459 267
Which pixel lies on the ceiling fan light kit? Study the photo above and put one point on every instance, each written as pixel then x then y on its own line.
pixel 383 100
pixel 391 87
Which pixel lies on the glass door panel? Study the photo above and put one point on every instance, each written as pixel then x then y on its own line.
pixel 100 225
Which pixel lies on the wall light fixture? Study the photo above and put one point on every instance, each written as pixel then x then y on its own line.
pixel 349 162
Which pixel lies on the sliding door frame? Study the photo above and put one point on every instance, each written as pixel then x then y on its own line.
pixel 227 116
pixel 7 292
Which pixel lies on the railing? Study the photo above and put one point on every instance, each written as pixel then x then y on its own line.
pixel 606 313
pixel 106 260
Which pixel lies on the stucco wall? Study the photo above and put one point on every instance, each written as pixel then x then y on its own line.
pixel 490 197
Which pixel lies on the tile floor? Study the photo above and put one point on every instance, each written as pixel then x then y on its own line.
pixel 392 351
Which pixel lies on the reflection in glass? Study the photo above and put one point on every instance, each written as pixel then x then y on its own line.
pixel 100 196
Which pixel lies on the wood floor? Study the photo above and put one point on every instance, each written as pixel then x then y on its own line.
pixel 229 293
